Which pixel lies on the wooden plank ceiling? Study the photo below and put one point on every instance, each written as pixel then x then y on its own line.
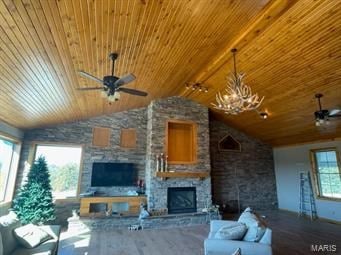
pixel 289 50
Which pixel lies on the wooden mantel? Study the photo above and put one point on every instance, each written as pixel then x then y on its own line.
pixel 200 175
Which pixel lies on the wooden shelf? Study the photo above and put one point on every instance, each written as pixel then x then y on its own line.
pixel 200 175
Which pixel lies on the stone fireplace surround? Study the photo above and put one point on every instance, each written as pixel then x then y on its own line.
pixel 158 113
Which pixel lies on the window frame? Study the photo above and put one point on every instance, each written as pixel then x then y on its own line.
pixel 32 157
pixel 314 171
pixel 13 169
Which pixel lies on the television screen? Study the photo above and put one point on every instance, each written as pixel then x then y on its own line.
pixel 113 174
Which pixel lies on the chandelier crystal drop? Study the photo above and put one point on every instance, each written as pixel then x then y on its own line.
pixel 238 96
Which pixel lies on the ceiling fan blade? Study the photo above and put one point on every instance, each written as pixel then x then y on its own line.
pixel 93 88
pixel 133 92
pixel 335 113
pixel 125 80
pixel 89 76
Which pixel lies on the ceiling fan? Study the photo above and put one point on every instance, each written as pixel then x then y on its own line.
pixel 322 115
pixel 112 85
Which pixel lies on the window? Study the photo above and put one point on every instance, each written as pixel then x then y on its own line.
pixel 6 154
pixel 9 156
pixel 327 175
pixel 63 163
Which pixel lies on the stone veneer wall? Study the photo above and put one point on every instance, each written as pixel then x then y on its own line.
pixel 159 112
pixel 254 165
pixel 80 133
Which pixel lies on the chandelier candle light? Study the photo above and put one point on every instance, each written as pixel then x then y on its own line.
pixel 238 97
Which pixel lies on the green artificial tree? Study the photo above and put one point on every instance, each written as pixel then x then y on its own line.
pixel 33 202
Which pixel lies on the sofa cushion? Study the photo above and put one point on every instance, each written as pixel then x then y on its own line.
pixel 47 248
pixel 8 223
pixel 231 232
pixel 255 227
pixel 254 233
pixel 52 230
pixel 31 236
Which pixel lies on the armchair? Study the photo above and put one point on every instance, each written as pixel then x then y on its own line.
pixel 215 246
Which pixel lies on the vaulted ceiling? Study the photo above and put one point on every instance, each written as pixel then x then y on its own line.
pixel 288 49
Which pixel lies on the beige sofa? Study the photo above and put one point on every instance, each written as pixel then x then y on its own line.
pixel 10 246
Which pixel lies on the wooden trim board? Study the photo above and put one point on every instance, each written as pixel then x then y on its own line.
pixel 183 174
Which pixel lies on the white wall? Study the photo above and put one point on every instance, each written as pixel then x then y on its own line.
pixel 289 161
pixel 11 131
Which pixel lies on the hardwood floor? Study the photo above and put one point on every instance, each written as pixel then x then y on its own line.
pixel 294 235
pixel 291 235
pixel 175 241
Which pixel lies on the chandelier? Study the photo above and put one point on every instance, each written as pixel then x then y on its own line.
pixel 238 96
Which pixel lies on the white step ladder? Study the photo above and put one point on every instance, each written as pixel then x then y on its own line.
pixel 307 200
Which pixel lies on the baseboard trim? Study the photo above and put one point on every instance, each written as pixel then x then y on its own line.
pixel 318 217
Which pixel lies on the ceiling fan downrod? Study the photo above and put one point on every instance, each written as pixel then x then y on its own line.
pixel 113 57
pixel 318 96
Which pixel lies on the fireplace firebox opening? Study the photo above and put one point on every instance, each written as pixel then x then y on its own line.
pixel 181 200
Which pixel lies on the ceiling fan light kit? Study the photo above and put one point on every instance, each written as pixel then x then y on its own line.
pixel 322 116
pixel 112 85
pixel 238 96
pixel 115 97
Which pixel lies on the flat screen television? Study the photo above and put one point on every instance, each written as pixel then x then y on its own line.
pixel 113 174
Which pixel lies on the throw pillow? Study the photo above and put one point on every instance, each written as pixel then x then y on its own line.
pixel 234 231
pixel 248 217
pixel 255 227
pixel 237 252
pixel 254 233
pixel 8 219
pixel 31 236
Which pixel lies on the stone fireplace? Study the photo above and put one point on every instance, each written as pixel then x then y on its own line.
pixel 157 189
pixel 181 200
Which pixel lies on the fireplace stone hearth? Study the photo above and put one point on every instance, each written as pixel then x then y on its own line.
pixel 78 224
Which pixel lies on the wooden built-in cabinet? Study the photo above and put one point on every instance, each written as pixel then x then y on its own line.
pixel 133 202
pixel 181 142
